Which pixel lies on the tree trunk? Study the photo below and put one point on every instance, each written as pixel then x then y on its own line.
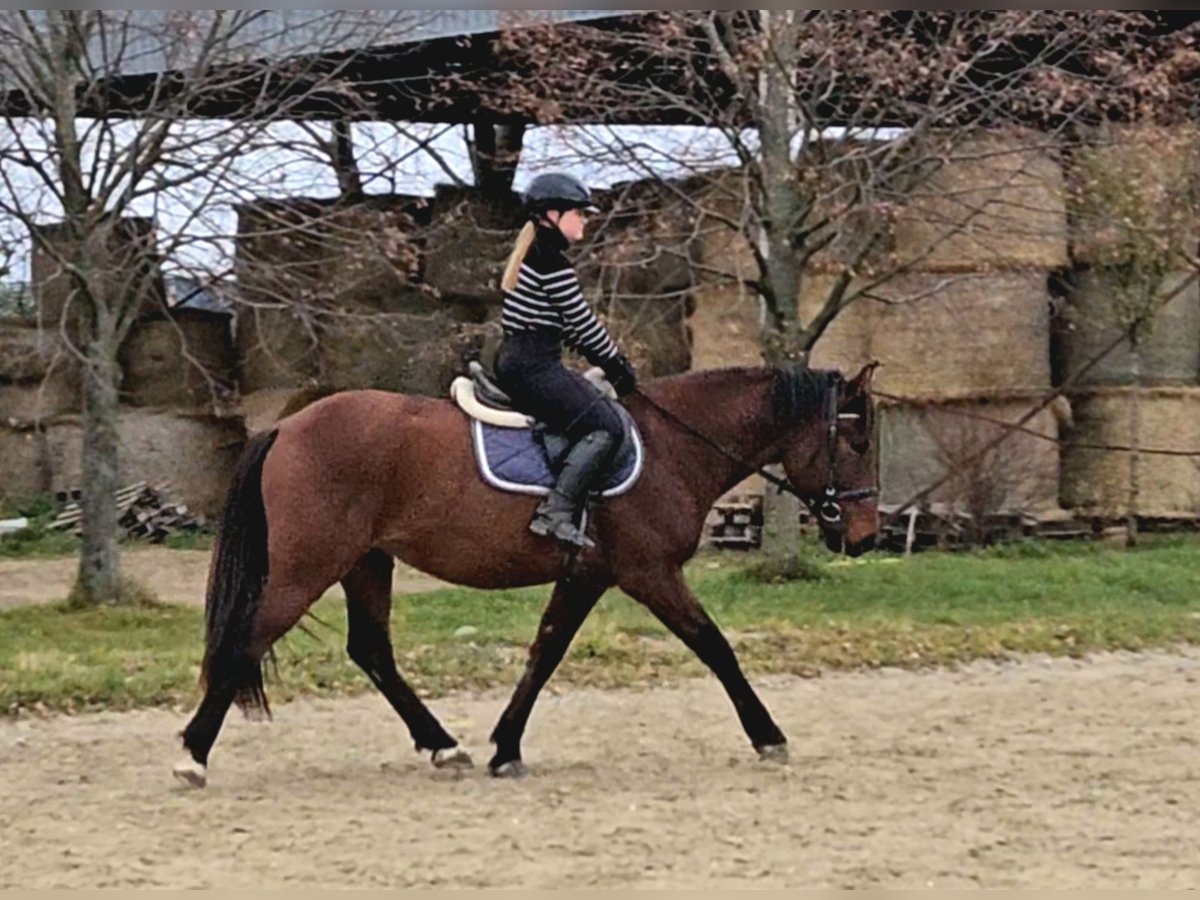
pixel 345 165
pixel 778 125
pixel 782 532
pixel 99 578
pixel 1135 440
pixel 495 153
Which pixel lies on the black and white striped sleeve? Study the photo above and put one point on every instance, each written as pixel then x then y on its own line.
pixel 581 329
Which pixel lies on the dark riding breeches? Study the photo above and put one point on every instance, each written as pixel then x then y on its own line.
pixel 529 369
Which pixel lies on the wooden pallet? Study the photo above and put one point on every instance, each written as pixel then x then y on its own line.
pixel 143 511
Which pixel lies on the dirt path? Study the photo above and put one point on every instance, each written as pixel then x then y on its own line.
pixel 176 576
pixel 1037 774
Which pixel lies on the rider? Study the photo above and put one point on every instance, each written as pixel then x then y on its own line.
pixel 543 310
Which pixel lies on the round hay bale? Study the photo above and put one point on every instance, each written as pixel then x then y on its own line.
pixel 28 353
pixel 20 460
pixel 196 453
pixel 1093 317
pixel 943 336
pixel 185 360
pixel 127 270
pixel 725 328
pixel 919 444
pixel 638 265
pixel 1134 195
pixel 388 352
pixel 643 246
pixel 323 255
pixel 722 254
pixel 39 400
pixel 466 247
pixel 993 201
pixel 1097 482
pixel 720 246
pixel 39 375
pixel 433 366
pixel 653 333
pixel 846 342
pixel 260 410
pixel 276 347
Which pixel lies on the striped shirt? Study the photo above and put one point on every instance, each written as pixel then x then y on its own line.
pixel 547 297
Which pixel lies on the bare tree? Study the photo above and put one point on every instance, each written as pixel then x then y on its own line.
pixel 100 114
pixel 852 148
pixel 833 121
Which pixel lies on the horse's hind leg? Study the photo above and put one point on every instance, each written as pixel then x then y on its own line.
pixel 281 606
pixel 665 593
pixel 369 605
pixel 569 606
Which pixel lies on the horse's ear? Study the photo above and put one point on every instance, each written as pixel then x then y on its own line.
pixel 861 383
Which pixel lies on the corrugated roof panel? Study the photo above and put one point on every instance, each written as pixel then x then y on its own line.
pixel 139 42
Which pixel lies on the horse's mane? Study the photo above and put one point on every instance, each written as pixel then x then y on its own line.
pixel 795 392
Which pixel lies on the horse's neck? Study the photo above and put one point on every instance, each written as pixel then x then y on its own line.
pixel 732 409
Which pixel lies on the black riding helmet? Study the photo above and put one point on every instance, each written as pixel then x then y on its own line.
pixel 556 190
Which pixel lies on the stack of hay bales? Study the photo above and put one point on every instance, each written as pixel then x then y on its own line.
pixel 40 383
pixel 953 301
pixel 299 261
pixel 388 293
pixel 195 451
pixel 1134 194
pixel 964 332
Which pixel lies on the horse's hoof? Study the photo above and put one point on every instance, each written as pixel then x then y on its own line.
pixel 192 773
pixel 514 768
pixel 452 758
pixel 777 753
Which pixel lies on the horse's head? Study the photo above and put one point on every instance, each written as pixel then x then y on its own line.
pixel 830 464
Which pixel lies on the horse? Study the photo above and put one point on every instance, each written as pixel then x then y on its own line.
pixel 340 489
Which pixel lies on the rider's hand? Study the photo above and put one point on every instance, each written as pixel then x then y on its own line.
pixel 620 375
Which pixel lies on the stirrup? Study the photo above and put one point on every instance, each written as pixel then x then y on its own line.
pixel 560 529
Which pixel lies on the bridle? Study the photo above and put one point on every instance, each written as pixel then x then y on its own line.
pixel 827 506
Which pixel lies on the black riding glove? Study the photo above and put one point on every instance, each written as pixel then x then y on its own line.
pixel 620 375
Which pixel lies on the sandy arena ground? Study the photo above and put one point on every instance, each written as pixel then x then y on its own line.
pixel 1036 774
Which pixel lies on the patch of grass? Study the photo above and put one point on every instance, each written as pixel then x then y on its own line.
pixel 797 566
pixel 201 539
pixel 134 593
pixel 38 542
pixel 928 609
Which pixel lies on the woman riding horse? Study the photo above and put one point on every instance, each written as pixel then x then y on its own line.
pixel 543 310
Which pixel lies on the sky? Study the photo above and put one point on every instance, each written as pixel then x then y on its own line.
pixel 390 158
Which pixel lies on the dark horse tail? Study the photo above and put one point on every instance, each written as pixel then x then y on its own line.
pixel 235 583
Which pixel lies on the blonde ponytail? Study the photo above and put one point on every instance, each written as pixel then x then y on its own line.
pixel 520 248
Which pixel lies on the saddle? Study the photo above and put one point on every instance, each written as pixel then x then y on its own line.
pixel 517 453
pixel 481 398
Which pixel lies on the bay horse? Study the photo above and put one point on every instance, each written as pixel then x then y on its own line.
pixel 337 490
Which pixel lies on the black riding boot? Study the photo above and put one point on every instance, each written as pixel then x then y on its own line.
pixel 557 513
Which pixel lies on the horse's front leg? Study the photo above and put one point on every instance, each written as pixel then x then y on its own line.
pixel 665 593
pixel 569 606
